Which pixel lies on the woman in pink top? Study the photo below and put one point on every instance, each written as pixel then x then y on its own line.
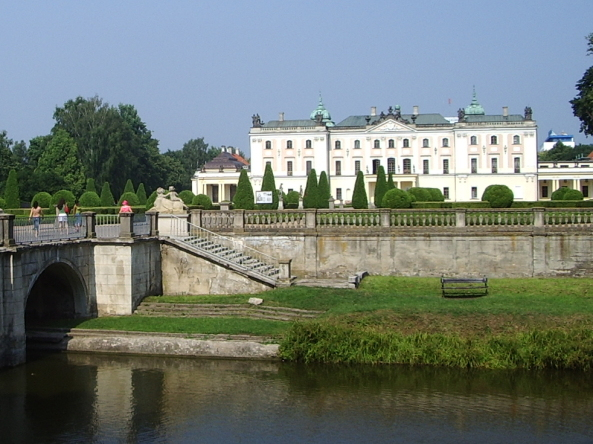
pixel 125 208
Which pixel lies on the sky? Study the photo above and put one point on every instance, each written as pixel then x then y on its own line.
pixel 201 68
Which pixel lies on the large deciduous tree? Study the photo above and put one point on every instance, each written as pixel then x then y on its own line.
pixel 582 104
pixel 194 154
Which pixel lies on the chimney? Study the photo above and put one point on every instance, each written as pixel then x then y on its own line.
pixel 415 112
pixel 505 111
pixel 373 110
pixel 281 117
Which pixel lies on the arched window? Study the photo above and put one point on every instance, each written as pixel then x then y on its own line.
pixel 308 144
pixel 425 143
pixel 289 144
pixel 377 144
pixel 407 166
pixel 493 140
pixel 268 145
pixel 391 165
pixel 406 143
pixel 473 140
pixel 516 140
pixel 391 143
pixel 338 145
pixel 445 142
pixel 356 144
pixel 376 164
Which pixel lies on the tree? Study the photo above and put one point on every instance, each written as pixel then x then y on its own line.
pixel 499 196
pixel 194 154
pixel 323 191
pixel 7 159
pixel 11 193
pixel 390 183
pixel 244 198
pixel 359 195
pixel 269 184
pixel 311 196
pixel 582 104
pixel 90 186
pixel 203 201
pixel 141 193
pixel 380 187
pixel 129 188
pixel 107 199
pixel 397 198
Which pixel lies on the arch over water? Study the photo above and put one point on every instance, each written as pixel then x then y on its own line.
pixel 58 292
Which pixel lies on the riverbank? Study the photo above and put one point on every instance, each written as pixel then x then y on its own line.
pixel 522 323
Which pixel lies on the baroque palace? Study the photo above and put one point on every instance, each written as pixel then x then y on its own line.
pixel 460 155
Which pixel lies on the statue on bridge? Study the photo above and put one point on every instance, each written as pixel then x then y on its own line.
pixel 169 203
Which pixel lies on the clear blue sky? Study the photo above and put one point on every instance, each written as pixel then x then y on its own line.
pixel 202 68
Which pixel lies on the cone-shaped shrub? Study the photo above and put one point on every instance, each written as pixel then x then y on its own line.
pixel 244 198
pixel 11 193
pixel 380 186
pixel 141 193
pixel 90 199
pixel 311 196
pixel 107 199
pixel 43 199
pixel 499 196
pixel 359 195
pixel 397 198
pixel 269 184
pixel 323 190
pixel 203 201
pixel 2 203
pixel 390 183
pixel 129 188
pixel 187 197
pixel 150 200
pixel 90 185
pixel 130 197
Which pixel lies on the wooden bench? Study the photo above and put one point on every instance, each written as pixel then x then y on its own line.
pixel 464 287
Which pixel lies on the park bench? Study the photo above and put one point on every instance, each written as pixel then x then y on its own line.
pixel 460 287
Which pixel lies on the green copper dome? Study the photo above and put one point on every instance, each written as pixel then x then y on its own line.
pixel 475 108
pixel 325 115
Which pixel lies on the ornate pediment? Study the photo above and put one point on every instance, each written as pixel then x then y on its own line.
pixel 390 125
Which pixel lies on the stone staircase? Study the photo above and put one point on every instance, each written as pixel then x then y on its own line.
pixel 159 309
pixel 248 262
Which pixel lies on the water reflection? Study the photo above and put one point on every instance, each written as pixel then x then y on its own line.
pixel 102 398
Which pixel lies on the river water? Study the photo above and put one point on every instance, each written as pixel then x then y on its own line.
pixel 84 398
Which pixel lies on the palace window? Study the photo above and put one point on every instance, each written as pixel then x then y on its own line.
pixel 338 168
pixel 308 143
pixel 517 162
pixel 289 168
pixel 446 192
pixel 391 165
pixel 377 143
pixel 445 166
pixel 474 192
pixel 356 166
pixel 391 143
pixel 425 166
pixel 338 193
pixel 474 165
pixel 407 166
pixel 445 142
pixel 268 145
pixel 376 163
pixel 494 165
pixel 544 191
pixel 357 144
pixel 425 143
pixel 309 166
pixel 338 145
pixel 473 140
pixel 406 143
pixel 493 140
pixel 289 144
pixel 516 140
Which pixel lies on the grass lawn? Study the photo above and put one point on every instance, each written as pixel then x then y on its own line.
pixel 402 304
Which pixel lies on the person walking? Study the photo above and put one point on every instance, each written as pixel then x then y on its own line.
pixel 62 215
pixel 35 215
pixel 77 215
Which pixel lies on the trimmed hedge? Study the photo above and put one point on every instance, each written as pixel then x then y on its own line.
pixel 202 201
pixel 187 197
pixel 3 203
pixel 43 199
pixel 90 199
pixel 499 196
pixel 131 197
pixel 397 198
pixel 63 194
pixel 420 194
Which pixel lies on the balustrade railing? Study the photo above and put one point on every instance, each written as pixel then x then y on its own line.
pixel 217 220
pixel 329 218
pixel 422 218
pixel 47 228
pixel 289 219
pixel 573 217
pixel 107 225
pixel 499 217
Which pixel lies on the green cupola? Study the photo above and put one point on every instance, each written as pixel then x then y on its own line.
pixel 474 108
pixel 325 115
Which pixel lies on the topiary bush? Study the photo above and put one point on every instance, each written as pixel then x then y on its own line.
pixel 107 199
pixel 90 199
pixel 3 203
pixel 420 194
pixel 141 193
pixel 573 195
pixel 11 192
pixel 311 196
pixel 244 198
pixel 436 195
pixel 203 201
pixel 397 198
pixel 559 193
pixel 187 197
pixel 269 184
pixel 380 187
pixel 323 191
pixel 43 199
pixel 131 197
pixel 291 200
pixel 359 195
pixel 63 194
pixel 499 196
pixel 150 200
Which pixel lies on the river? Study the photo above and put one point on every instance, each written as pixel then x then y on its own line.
pixel 93 398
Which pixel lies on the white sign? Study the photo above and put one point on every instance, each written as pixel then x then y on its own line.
pixel 263 197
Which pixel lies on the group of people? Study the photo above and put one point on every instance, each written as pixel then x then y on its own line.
pixel 62 212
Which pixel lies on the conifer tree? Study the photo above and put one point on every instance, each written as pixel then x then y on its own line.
pixel 380 186
pixel 311 197
pixel 90 185
pixel 244 198
pixel 323 190
pixel 107 199
pixel 11 192
pixel 269 184
pixel 359 195
pixel 129 188
pixel 390 183
pixel 141 193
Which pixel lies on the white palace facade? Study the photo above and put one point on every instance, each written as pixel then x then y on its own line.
pixel 461 155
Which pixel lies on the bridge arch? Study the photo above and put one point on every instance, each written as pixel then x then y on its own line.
pixel 57 291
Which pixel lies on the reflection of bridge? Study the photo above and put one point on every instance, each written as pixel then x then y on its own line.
pixel 107 266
